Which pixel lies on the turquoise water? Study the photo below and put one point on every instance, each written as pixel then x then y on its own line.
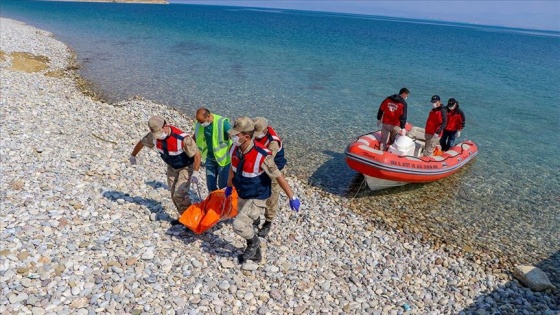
pixel 319 78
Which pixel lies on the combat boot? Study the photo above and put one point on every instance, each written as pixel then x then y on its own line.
pixel 263 231
pixel 252 252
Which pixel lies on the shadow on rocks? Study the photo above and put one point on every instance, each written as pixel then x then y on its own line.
pixel 211 243
pixel 153 205
pixel 514 298
pixel 156 184
pixel 334 175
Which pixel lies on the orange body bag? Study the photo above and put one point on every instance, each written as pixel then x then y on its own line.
pixel 199 217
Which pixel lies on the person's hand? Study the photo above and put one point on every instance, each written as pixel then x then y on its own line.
pixel 379 123
pixel 294 204
pixel 402 132
pixel 194 177
pixel 458 133
pixel 228 191
pixel 132 160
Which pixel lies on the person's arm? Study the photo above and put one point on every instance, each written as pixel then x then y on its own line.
pixel 403 116
pixel 189 146
pixel 137 148
pixel 273 146
pixel 227 127
pixel 285 186
pixel 230 177
pixel 462 119
pixel 443 121
pixel 380 111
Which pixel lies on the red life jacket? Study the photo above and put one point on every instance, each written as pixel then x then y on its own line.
pixel 454 120
pixel 171 149
pixel 271 135
pixel 392 111
pixel 434 121
pixel 249 178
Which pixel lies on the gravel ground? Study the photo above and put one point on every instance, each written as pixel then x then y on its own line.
pixel 84 232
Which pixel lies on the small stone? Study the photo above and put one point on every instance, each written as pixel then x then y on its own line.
pixel 224 285
pixel 148 254
pixel 23 255
pixel 131 261
pixel 226 263
pixel 17 185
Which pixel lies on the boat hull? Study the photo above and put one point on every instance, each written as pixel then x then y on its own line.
pixel 384 169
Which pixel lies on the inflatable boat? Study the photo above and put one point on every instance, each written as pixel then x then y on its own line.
pixel 404 162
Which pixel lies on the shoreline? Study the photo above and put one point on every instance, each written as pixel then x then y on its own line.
pixel 85 200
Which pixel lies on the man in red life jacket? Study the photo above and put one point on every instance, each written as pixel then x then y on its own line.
pixel 266 136
pixel 252 170
pixel 436 122
pixel 179 151
pixel 455 123
pixel 392 116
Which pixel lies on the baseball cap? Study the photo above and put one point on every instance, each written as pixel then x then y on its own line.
pixel 435 98
pixel 156 123
pixel 260 124
pixel 451 102
pixel 242 124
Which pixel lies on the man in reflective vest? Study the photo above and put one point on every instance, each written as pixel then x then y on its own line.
pixel 251 173
pixel 178 150
pixel 267 137
pixel 436 122
pixel 211 136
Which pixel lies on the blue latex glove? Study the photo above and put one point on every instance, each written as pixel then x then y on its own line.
pixel 228 191
pixel 194 177
pixel 294 204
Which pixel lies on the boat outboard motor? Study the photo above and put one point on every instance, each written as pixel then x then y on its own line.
pixel 403 145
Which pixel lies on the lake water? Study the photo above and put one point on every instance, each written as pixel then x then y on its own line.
pixel 319 79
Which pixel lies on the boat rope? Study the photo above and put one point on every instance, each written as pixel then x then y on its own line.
pixel 359 188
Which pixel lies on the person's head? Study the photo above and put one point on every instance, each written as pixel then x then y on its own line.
pixel 242 130
pixel 203 116
pixel 404 93
pixel 158 127
pixel 261 127
pixel 436 101
pixel 452 104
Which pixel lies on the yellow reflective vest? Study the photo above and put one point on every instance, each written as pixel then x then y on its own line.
pixel 220 145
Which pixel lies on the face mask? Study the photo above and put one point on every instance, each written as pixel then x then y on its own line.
pixel 451 107
pixel 406 97
pixel 163 136
pixel 434 105
pixel 236 141
pixel 205 124
pixel 260 136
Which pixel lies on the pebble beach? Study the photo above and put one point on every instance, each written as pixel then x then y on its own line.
pixel 84 232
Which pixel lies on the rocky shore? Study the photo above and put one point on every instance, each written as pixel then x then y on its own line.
pixel 84 232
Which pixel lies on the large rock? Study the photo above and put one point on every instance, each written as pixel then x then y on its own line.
pixel 532 277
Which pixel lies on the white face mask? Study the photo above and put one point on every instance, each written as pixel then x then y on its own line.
pixel 205 124
pixel 163 136
pixel 260 136
pixel 434 105
pixel 452 107
pixel 236 141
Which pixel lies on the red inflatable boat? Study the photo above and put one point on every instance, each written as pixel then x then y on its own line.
pixel 404 162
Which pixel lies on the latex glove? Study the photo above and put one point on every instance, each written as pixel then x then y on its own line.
pixel 458 133
pixel 402 132
pixel 379 123
pixel 228 191
pixel 294 204
pixel 194 177
pixel 132 160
